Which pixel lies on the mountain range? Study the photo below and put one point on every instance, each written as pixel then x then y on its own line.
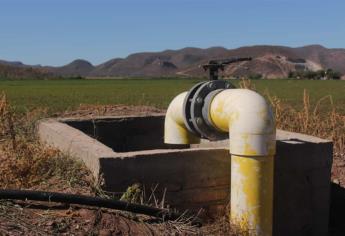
pixel 268 61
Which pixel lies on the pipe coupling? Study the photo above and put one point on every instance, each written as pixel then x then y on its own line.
pixel 196 109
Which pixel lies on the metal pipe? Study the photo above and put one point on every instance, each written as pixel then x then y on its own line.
pixel 250 122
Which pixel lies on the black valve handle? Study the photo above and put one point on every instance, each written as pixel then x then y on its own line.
pixel 213 66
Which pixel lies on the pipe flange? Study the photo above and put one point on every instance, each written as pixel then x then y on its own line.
pixel 187 103
pixel 206 108
pixel 201 124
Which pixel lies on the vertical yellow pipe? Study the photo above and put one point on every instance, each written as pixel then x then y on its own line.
pixel 252 194
pixel 250 122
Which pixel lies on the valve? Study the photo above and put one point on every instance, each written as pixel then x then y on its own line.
pixel 214 66
pixel 197 101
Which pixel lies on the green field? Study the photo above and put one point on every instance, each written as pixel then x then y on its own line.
pixel 69 94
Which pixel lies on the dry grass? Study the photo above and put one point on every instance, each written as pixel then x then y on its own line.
pixel 25 163
pixel 313 121
pixel 87 110
pixel 310 119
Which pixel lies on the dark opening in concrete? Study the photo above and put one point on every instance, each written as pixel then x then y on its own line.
pixel 126 134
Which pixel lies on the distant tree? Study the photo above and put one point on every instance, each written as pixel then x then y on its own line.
pixel 330 74
pixel 320 74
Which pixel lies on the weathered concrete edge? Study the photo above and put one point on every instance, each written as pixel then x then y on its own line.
pixel 59 130
pixel 55 133
pixel 73 142
pixel 282 135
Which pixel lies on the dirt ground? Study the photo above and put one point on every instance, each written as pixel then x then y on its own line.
pixel 57 219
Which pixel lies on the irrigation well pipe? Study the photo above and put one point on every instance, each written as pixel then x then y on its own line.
pixel 249 120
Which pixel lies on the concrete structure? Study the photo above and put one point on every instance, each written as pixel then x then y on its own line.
pixel 131 150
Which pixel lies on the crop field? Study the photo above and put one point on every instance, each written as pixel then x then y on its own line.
pixel 62 95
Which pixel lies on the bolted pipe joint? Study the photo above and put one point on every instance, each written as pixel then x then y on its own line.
pixel 249 120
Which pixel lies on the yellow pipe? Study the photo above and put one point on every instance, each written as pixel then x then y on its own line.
pixel 252 194
pixel 249 120
pixel 250 123
pixel 175 131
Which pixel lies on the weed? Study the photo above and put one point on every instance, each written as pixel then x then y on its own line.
pixel 311 120
pixel 24 162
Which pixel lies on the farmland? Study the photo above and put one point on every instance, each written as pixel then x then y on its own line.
pixel 60 95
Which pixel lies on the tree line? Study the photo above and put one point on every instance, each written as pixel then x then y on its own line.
pixel 328 74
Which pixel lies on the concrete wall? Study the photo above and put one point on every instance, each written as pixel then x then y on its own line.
pixel 302 187
pixel 199 177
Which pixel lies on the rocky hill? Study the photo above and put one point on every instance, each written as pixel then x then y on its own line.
pixel 77 67
pixel 269 61
pixel 10 71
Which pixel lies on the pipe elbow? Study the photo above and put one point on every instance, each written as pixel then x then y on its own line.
pixel 249 120
pixel 175 131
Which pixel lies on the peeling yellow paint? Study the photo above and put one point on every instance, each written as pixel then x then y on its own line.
pixel 248 150
pixel 252 182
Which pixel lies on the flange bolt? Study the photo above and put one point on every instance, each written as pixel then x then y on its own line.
pixel 199 100
pixel 211 85
pixel 199 121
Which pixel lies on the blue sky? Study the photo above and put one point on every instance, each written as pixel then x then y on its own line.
pixel 55 32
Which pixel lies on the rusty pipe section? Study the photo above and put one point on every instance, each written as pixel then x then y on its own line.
pixel 249 120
